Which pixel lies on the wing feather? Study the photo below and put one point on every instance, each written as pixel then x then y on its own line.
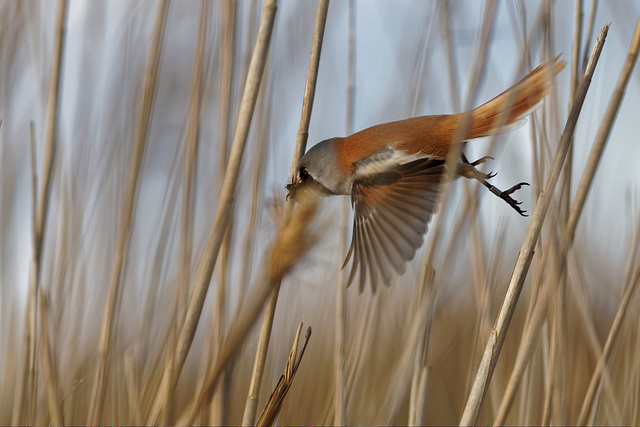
pixel 392 212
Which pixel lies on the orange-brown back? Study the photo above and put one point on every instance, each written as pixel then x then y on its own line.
pixel 434 135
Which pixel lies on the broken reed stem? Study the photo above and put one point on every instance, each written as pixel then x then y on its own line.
pixel 526 347
pixel 589 32
pixel 223 212
pixel 496 339
pixel 27 381
pixel 603 133
pixel 272 408
pixel 251 405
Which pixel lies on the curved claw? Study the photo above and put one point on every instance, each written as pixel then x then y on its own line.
pixel 505 195
pixel 515 187
pixel 482 160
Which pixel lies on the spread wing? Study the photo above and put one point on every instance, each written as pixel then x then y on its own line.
pixel 392 212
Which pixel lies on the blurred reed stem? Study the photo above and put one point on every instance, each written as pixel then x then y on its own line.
pixel 291 243
pixel 496 339
pixel 595 384
pixel 190 152
pixel 341 387
pixel 251 405
pixel 584 186
pixel 223 212
pixel 26 384
pixel 126 215
pixel 49 367
pixel 218 410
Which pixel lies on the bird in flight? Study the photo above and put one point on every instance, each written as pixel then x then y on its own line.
pixel 394 173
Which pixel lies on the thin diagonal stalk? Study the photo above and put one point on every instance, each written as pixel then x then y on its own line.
pixel 589 32
pixel 26 384
pixel 223 212
pixel 251 405
pixel 585 184
pixel 190 164
pixel 219 302
pixel 456 148
pixel 603 133
pixel 126 214
pixel 49 369
pixel 248 245
pixel 496 339
pixel 574 215
pixel 603 361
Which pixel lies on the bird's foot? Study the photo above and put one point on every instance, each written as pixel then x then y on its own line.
pixel 468 170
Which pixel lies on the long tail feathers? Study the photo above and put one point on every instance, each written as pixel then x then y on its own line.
pixel 518 100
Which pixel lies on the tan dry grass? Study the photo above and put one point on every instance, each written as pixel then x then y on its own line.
pixel 407 354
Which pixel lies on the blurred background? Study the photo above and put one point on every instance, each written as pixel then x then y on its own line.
pixel 403 59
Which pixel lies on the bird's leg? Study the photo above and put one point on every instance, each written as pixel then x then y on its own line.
pixel 468 170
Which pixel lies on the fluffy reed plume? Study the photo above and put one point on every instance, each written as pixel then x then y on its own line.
pixel 293 240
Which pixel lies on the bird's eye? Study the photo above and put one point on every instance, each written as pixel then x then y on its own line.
pixel 304 174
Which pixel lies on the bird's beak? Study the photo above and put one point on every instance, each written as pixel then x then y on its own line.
pixel 292 188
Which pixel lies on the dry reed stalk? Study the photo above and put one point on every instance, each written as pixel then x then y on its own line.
pixel 25 368
pixel 126 214
pixel 133 389
pixel 426 290
pixel 415 350
pixel 494 344
pixel 419 381
pixel 576 211
pixel 223 212
pixel 423 322
pixel 363 346
pixel 471 200
pixel 291 243
pixel 272 408
pixel 255 201
pixel 456 148
pixel 26 383
pixel 421 410
pixel 218 410
pixel 452 159
pixel 190 164
pixel 49 368
pixel 555 400
pixel 341 388
pixel 589 32
pixel 190 153
pixel 603 133
pixel 471 205
pixel 603 362
pixel 452 68
pixel 251 405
